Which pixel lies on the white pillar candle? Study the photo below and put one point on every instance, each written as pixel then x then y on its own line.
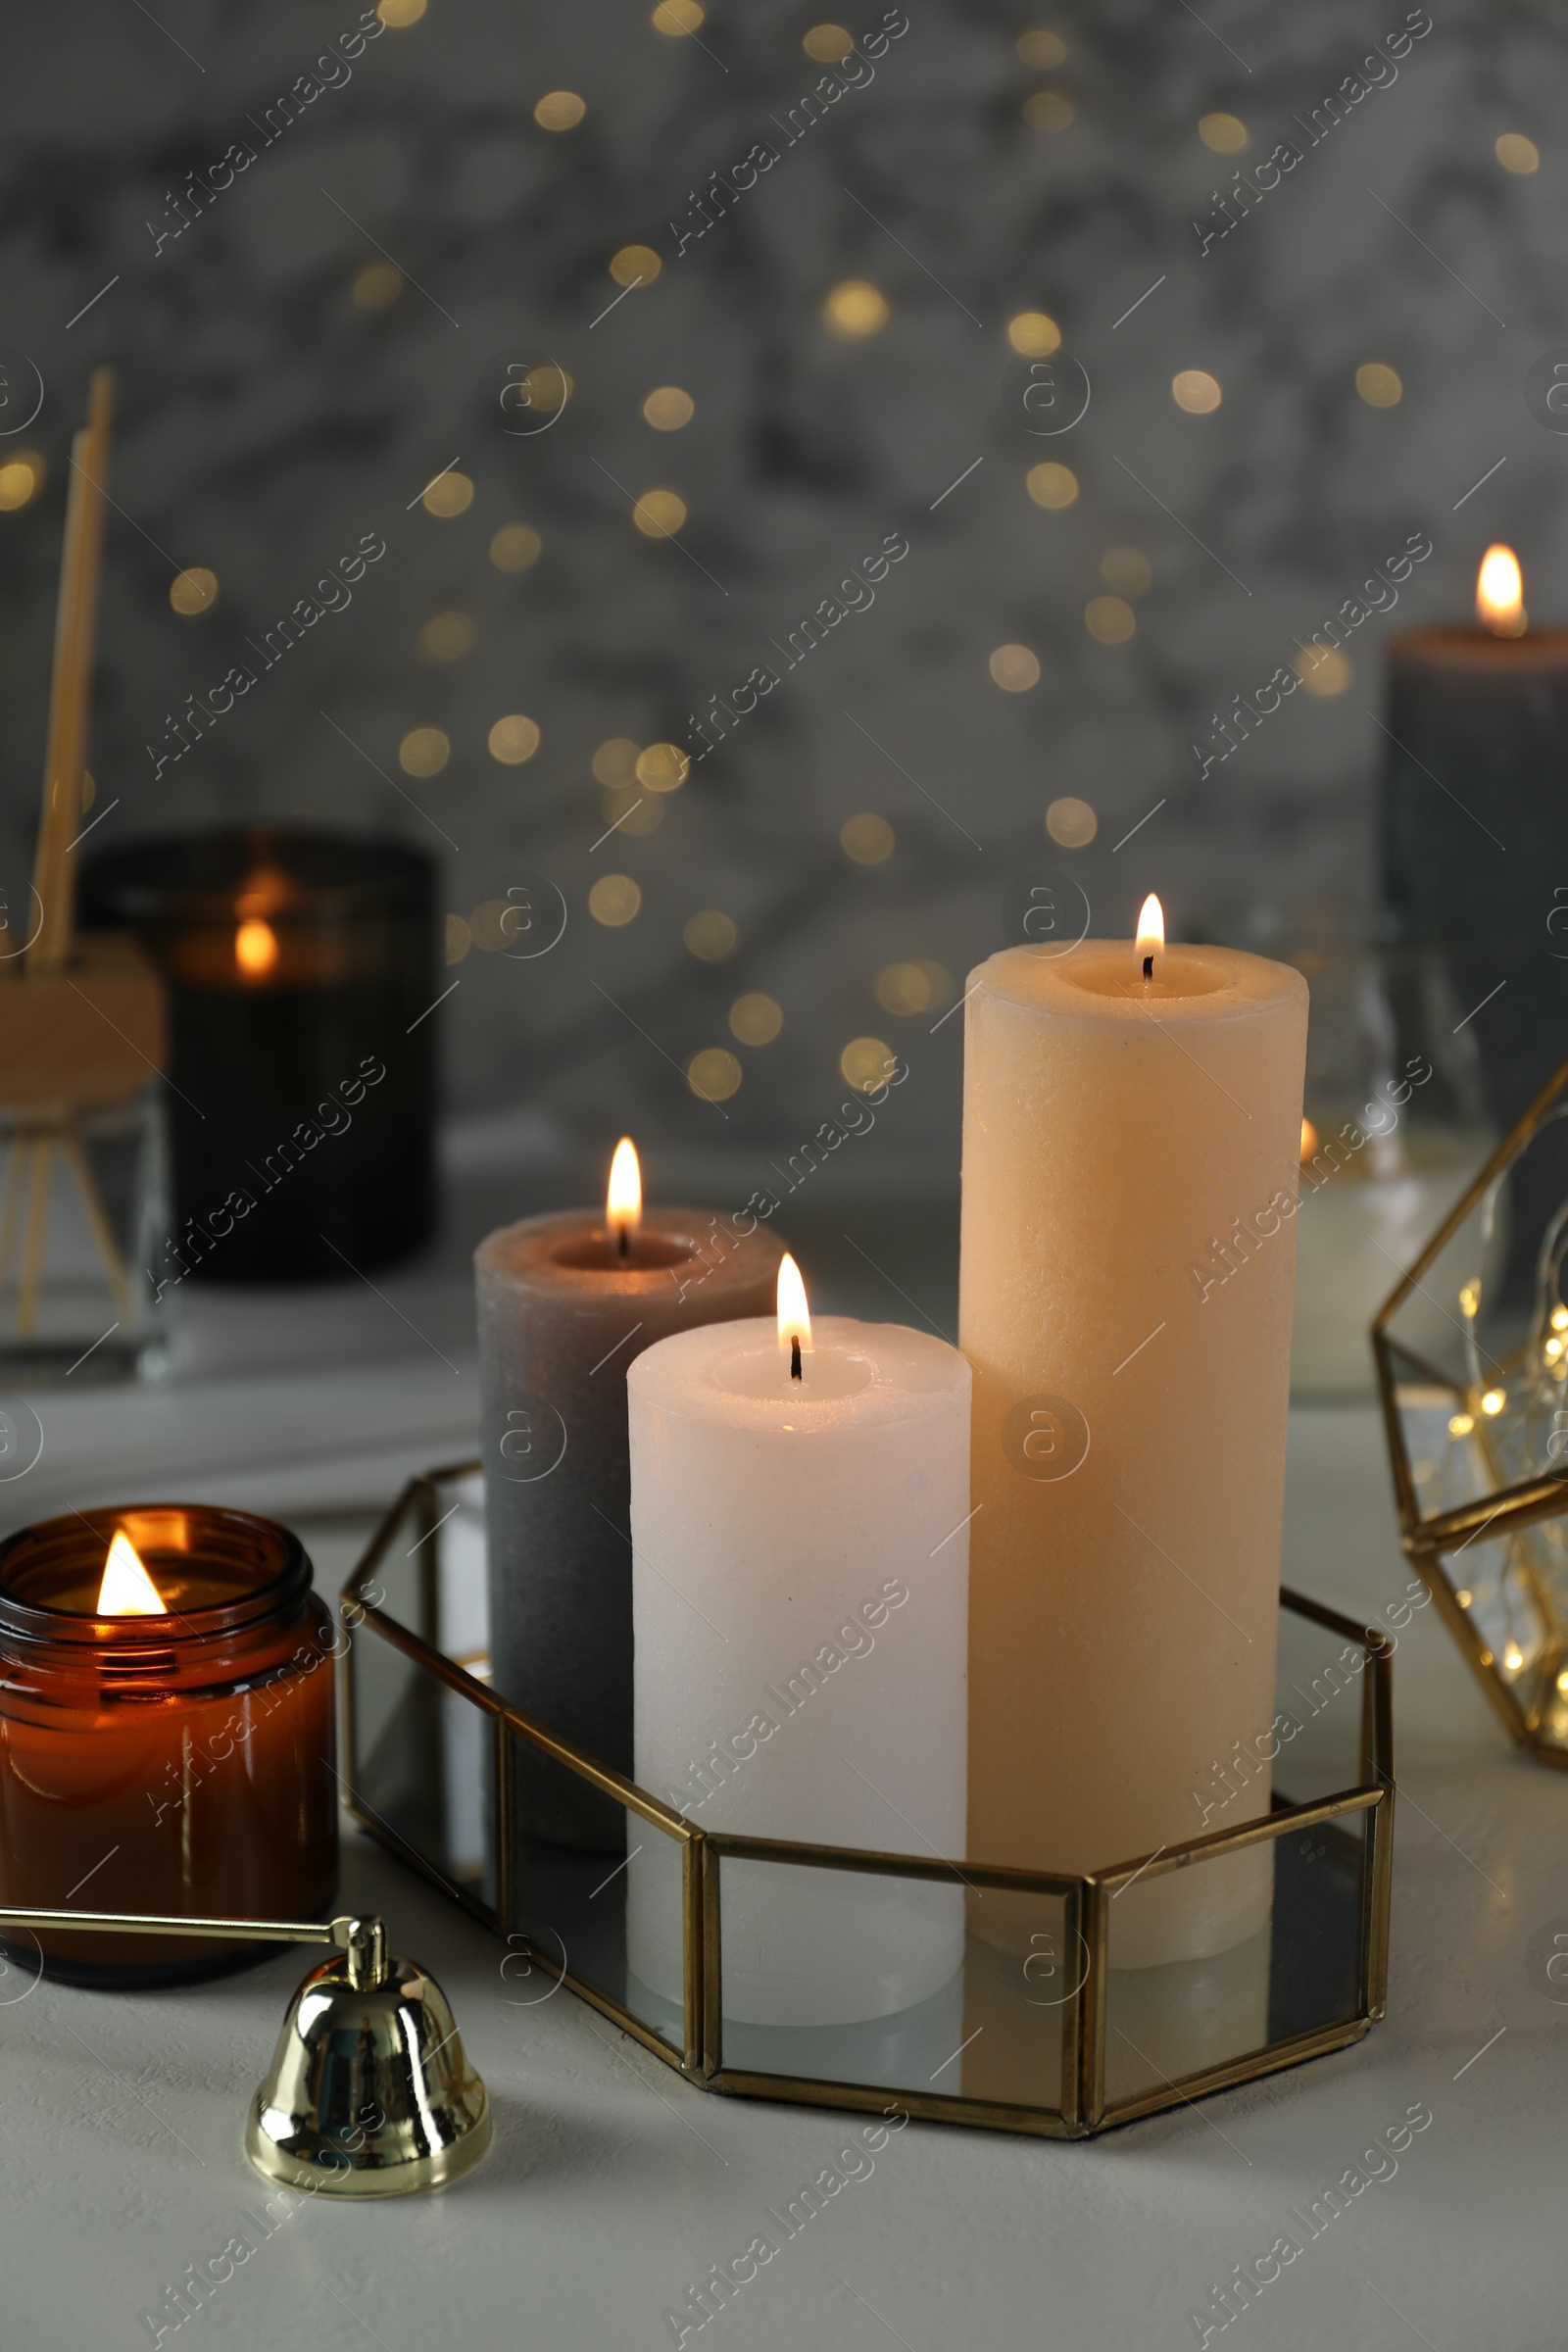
pixel 799 1600
pixel 1129 1188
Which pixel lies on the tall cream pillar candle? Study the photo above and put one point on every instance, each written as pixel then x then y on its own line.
pixel 1129 1184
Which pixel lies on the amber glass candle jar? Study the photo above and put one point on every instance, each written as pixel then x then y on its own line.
pixel 167 1733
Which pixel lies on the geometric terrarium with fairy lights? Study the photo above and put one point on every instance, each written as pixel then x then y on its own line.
pixel 1472 1357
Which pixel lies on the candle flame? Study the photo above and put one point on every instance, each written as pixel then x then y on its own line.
pixel 794 1315
pixel 1308 1140
pixel 624 1199
pixel 255 948
pixel 128 1591
pixel 1500 593
pixel 1150 936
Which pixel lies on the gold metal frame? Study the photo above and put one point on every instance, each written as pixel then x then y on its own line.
pixel 1431 1541
pixel 1084 2107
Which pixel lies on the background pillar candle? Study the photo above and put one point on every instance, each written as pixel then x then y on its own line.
pixel 1129 1185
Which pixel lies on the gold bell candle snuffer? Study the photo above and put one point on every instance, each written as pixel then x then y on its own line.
pixel 800 1512
pixel 1132 1125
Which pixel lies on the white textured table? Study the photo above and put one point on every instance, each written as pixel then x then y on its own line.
pixel 612 2187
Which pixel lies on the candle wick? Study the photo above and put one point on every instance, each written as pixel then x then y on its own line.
pixel 795 1358
pixel 625 1243
pixel 1149 967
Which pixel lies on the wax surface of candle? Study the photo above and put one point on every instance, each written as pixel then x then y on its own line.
pixel 561 1313
pixel 1130 1398
pixel 799 1589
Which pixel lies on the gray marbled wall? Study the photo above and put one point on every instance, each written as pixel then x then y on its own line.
pixel 269 421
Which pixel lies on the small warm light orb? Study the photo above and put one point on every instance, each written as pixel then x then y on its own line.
pixel 1559 1318
pixel 1035 335
pixel 632 810
pixel 615 764
pixel 710 935
pixel 668 408
pixel 1109 619
pixel 451 493
pixel 126 1589
pixel 1014 668
pixel 867 1063
pixel 397 13
pixel 659 514
pixel 1323 669
pixel 867 840
pixel 1308 1140
pixel 1150 946
pixel 676 18
pixel 1050 484
pixel 447 636
pixel 713 1074
pixel 1042 49
pixel 1227 135
pixel 854 309
pixel 1071 823
pixel 623 1197
pixel 1516 153
pixel 255 948
pixel 635 266
pixel 1493 1400
pixel 1197 391
pixel 756 1019
pixel 1500 594
pixel 1464 1597
pixel 21 477
pixel 459 940
pixel 423 751
pixel 514 739
pixel 662 767
pixel 559 110
pixel 906 989
pixel 193 592
pixel 1050 110
pixel 828 43
pixel 514 546
pixel 1126 570
pixel 376 287
pixel 1469 1299
pixel 1513 1657
pixel 1461 1424
pixel 614 901
pixel 793 1314
pixel 1380 386
pixel 1553 1349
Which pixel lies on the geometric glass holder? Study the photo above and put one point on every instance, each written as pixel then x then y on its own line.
pixel 1046 2037
pixel 1472 1364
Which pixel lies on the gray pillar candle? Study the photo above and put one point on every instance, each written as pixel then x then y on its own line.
pixel 1472 837
pixel 561 1313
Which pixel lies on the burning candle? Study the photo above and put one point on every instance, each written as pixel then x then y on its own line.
pixel 166 1693
pixel 800 1510
pixel 566 1302
pixel 1477 745
pixel 302 990
pixel 1132 1119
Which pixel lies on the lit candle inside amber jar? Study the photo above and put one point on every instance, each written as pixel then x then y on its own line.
pixel 166 1733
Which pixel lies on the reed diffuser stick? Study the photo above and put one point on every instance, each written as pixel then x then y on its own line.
pixel 76 634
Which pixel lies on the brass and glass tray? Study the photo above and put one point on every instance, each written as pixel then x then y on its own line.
pixel 1041 2033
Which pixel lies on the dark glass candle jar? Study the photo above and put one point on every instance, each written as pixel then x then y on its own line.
pixel 301 976
pixel 174 1762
